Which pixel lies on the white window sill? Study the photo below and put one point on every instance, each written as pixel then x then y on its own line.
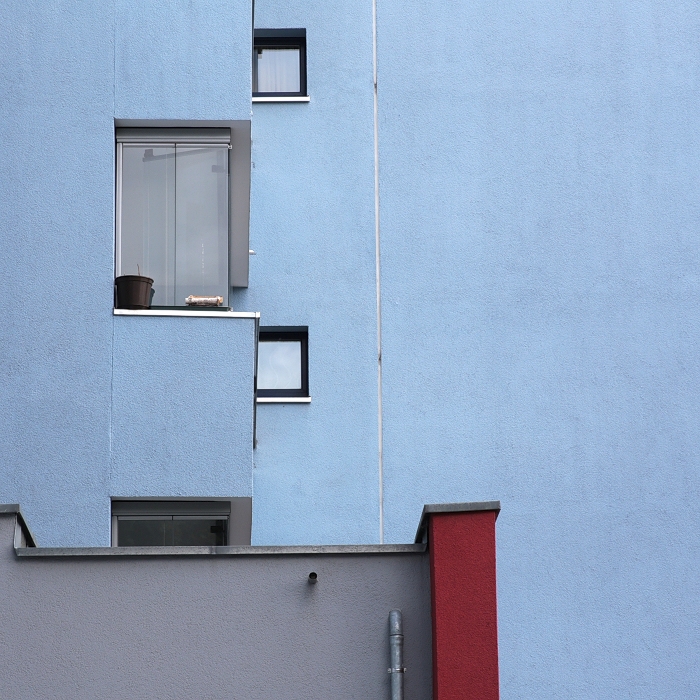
pixel 198 313
pixel 305 98
pixel 283 399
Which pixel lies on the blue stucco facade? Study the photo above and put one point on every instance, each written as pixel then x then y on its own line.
pixel 540 327
pixel 96 405
pixel 540 216
pixel 208 434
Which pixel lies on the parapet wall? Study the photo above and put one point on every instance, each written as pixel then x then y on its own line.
pixel 217 623
pixel 212 626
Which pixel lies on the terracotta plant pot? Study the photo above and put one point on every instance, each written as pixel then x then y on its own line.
pixel 133 292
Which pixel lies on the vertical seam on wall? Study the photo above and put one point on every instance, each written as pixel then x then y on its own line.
pixel 114 238
pixel 111 405
pixel 114 59
pixel 377 250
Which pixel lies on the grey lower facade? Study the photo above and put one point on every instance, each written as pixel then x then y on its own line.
pixel 210 623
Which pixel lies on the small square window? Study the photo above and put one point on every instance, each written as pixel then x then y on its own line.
pixel 283 361
pixel 279 63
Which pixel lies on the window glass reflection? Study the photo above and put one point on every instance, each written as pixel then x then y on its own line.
pixel 174 219
pixel 146 532
pixel 172 531
pixel 201 220
pixel 148 217
pixel 279 365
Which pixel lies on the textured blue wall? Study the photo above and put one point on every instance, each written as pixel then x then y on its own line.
pixel 182 421
pixel 540 221
pixel 173 60
pixel 312 228
pixel 179 59
pixel 56 262
pixel 539 196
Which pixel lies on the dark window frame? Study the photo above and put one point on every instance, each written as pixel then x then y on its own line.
pixel 287 334
pixel 281 39
pixel 237 511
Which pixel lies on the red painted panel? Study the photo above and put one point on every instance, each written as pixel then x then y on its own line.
pixel 463 583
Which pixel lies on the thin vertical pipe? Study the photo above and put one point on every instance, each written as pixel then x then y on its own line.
pixel 396 654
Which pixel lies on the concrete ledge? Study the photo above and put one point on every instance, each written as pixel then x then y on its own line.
pixel 193 313
pixel 270 98
pixel 343 549
pixel 421 533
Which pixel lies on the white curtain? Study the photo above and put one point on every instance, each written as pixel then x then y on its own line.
pixel 278 70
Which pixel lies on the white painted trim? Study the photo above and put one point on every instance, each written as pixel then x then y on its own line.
pixel 187 312
pixel 283 399
pixel 305 98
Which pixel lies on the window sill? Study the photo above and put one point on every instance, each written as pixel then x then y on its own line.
pixel 199 313
pixel 283 399
pixel 300 98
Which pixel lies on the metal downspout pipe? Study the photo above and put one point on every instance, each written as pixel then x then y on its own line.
pixel 396 654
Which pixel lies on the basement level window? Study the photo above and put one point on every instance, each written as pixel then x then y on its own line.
pixel 283 362
pixel 279 63
pixel 216 523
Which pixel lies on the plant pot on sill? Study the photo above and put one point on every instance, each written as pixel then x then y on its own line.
pixel 133 292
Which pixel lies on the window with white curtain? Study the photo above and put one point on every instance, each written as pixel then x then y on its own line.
pixel 279 62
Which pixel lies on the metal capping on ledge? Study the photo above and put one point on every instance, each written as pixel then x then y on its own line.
pixel 290 98
pixel 428 509
pixel 343 549
pixel 192 313
pixel 419 547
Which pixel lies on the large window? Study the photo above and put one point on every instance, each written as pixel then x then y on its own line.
pixel 174 194
pixel 215 523
pixel 279 63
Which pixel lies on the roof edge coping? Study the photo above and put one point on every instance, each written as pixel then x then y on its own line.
pixel 245 550
pixel 431 508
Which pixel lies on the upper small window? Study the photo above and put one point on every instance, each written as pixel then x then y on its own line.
pixel 283 361
pixel 279 63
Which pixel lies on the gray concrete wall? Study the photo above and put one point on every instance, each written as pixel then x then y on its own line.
pixel 89 624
